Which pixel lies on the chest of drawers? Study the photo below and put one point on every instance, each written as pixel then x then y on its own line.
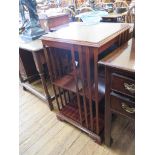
pixel 120 95
pixel 120 85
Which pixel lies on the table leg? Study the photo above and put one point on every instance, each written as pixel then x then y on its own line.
pixel 107 135
pixel 37 60
pixel 108 114
pixel 21 81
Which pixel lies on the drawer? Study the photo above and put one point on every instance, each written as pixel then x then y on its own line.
pixel 122 105
pixel 123 84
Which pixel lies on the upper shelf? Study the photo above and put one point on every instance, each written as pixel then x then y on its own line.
pixel 68 82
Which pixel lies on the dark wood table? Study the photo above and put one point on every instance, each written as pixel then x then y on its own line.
pixel 120 85
pixel 110 17
pixel 72 54
pixel 113 17
pixel 49 22
pixel 35 48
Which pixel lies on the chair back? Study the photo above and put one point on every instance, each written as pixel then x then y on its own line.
pixel 69 11
pixel 99 5
pixel 130 17
pixel 120 4
pixel 85 9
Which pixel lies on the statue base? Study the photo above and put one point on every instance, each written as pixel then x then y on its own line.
pixel 32 33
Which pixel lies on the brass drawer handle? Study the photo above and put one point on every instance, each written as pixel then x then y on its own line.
pixel 130 88
pixel 128 109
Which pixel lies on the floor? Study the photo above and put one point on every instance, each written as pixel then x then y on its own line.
pixel 42 134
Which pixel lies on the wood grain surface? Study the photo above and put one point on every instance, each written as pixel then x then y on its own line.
pixel 41 133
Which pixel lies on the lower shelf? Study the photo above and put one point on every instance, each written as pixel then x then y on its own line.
pixel 70 114
pixel 71 111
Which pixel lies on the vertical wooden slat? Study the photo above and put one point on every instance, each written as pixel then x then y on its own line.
pixel 57 75
pixel 65 98
pixel 69 99
pixel 89 86
pixel 49 65
pixel 122 38
pixel 53 62
pixel 59 90
pixel 59 54
pixel 56 61
pixel 50 68
pixel 96 88
pixel 128 37
pixel 55 92
pixel 119 40
pixel 58 70
pixel 76 80
pixel 83 84
pixel 125 34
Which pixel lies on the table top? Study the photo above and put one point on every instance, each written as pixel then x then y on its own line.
pixel 123 57
pixel 32 46
pixel 94 35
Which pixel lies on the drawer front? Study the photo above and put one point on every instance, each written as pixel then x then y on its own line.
pixel 122 105
pixel 123 84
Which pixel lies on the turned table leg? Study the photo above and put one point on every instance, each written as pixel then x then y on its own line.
pixel 37 60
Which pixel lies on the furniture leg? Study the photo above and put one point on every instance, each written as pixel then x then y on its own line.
pixel 96 88
pixel 21 81
pixel 39 67
pixel 107 134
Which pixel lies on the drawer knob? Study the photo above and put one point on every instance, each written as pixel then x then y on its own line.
pixel 130 88
pixel 128 109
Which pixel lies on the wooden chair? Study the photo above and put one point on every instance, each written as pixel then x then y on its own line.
pixel 121 7
pixel 99 6
pixel 130 18
pixel 69 11
pixel 120 3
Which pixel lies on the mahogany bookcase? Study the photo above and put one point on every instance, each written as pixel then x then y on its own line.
pixel 72 54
